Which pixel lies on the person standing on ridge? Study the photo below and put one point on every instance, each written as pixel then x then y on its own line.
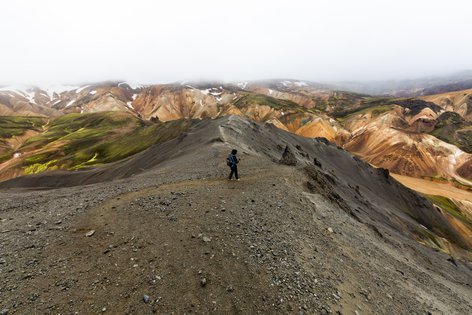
pixel 232 161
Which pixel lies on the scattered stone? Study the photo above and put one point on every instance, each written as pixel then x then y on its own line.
pixel 203 282
pixel 104 309
pixel 90 233
pixel 330 230
pixel 4 311
pixel 288 158
pixel 146 298
pixel 206 239
pixel 229 288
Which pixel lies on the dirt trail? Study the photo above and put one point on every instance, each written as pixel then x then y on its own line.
pixel 194 242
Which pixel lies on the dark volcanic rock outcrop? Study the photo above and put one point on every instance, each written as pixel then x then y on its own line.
pixel 288 158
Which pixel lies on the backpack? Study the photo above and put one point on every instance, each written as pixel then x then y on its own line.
pixel 228 161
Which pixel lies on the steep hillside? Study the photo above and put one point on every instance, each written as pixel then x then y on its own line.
pixel 454 129
pixel 174 235
pixel 21 101
pixel 14 130
pixel 396 136
pixel 459 102
pixel 75 141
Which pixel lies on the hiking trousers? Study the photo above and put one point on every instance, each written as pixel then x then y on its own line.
pixel 234 170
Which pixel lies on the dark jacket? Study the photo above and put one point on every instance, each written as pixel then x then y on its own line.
pixel 232 160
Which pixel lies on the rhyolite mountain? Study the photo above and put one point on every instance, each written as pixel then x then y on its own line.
pixel 398 134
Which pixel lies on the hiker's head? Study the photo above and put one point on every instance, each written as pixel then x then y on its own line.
pixel 234 151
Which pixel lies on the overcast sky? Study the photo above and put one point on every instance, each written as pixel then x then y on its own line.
pixel 68 41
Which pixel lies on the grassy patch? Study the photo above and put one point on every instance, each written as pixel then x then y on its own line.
pixel 11 126
pixel 454 129
pixel 78 126
pixel 134 142
pixel 41 167
pixel 4 156
pixel 447 205
pixel 432 238
pixel 264 100
pixel 75 141
pixel 374 110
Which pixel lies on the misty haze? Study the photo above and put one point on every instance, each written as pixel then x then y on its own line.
pixel 249 157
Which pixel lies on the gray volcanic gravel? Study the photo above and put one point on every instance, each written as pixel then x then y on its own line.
pixel 180 238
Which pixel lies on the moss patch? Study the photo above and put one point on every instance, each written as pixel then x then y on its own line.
pixel 264 100
pixel 41 167
pixel 75 141
pixel 11 126
pixel 447 205
pixel 374 110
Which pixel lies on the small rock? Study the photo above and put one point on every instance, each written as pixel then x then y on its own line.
pixel 104 309
pixel 203 282
pixel 146 298
pixel 90 233
pixel 206 239
pixel 230 288
pixel 330 230
pixel 4 311
pixel 288 158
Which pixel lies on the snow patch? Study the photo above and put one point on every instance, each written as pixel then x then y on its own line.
pixel 287 83
pixel 242 85
pixel 130 105
pixel 21 90
pixel 93 92
pixel 300 83
pixel 133 86
pixel 30 97
pixel 58 89
pixel 70 103
pixel 81 89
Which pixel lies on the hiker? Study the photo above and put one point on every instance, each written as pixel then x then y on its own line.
pixel 232 161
